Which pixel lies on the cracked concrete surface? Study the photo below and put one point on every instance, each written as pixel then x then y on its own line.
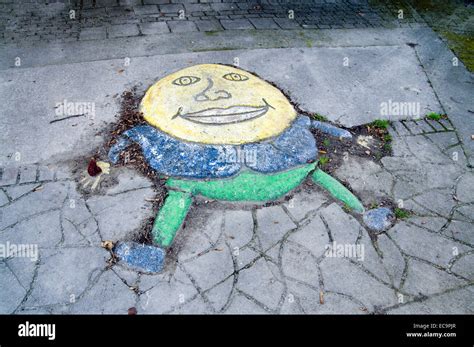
pixel 247 258
pixel 250 258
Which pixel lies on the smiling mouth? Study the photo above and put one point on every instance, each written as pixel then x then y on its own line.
pixel 227 115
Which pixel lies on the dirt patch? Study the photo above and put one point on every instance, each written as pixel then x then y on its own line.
pixel 129 117
pixel 333 151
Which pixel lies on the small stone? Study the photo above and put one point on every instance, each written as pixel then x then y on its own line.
pixel 140 257
pixel 379 219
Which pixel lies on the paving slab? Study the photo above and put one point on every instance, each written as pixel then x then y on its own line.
pixel 236 24
pixel 154 28
pixel 123 30
pixel 95 33
pixel 181 26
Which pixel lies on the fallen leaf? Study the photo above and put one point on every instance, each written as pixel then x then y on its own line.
pixel 151 200
pixel 132 311
pixel 108 245
pixel 38 188
pixel 321 297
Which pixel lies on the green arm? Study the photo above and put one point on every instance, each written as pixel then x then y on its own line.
pixel 337 190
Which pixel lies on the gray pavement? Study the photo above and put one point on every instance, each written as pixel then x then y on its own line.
pixel 239 258
pixel 92 20
pixel 392 70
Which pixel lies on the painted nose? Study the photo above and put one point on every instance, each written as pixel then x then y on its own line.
pixel 211 94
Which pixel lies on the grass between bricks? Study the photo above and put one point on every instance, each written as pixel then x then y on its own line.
pixel 402 213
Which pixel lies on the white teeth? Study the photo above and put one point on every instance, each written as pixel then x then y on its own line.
pixel 228 115
pixel 225 111
pixel 227 118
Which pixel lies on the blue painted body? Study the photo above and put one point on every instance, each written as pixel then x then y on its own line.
pixel 169 156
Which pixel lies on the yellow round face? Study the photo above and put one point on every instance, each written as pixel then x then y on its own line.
pixel 217 104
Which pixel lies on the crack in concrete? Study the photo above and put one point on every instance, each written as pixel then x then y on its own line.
pixel 30 287
pixel 198 288
pixel 30 217
pixel 436 266
pixel 422 298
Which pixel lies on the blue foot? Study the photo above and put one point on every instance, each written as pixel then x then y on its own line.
pixel 140 257
pixel 379 219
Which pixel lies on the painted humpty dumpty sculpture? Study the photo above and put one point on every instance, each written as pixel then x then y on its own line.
pixel 225 134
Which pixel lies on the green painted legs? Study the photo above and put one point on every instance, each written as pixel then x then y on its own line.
pixel 170 217
pixel 247 186
pixel 336 189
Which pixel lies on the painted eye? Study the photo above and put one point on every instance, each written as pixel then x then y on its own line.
pixel 235 77
pixel 186 80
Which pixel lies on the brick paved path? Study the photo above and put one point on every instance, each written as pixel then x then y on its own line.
pixel 100 19
pixel 85 20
